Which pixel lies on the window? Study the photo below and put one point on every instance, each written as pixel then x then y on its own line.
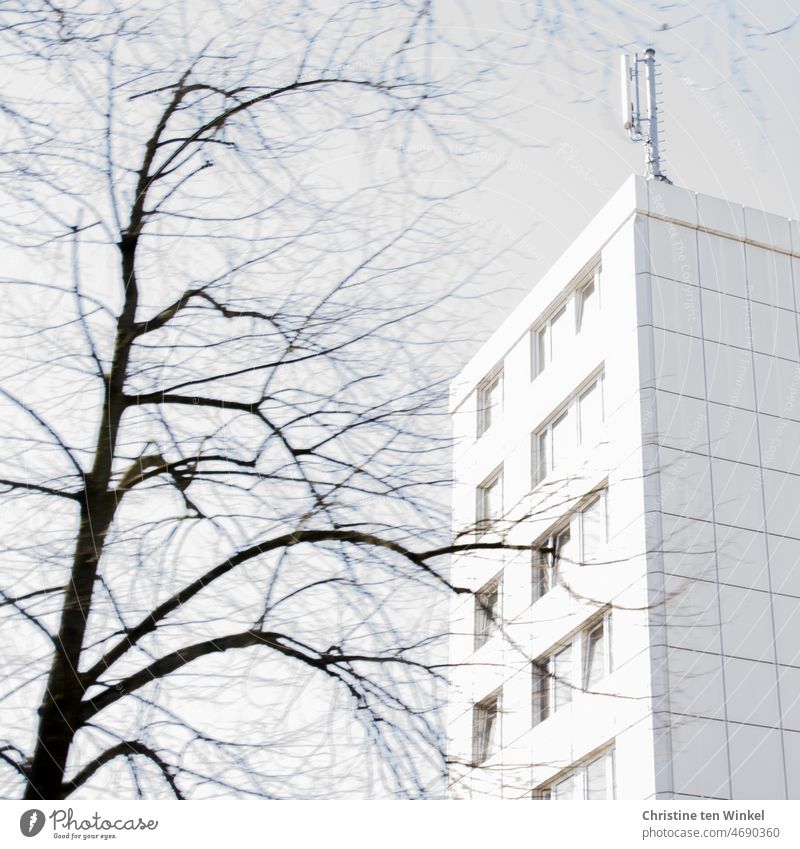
pixel 590 414
pixel 552 446
pixel 541 576
pixel 580 664
pixel 490 401
pixel 562 555
pixel 567 788
pixel 587 303
pixel 593 520
pixel 592 780
pixel 579 423
pixel 540 702
pixel 549 341
pixel 580 541
pixel 487 612
pixel 597 658
pixel 539 351
pixel 550 559
pixel 486 729
pixel 559 334
pixel 599 778
pixel 562 441
pixel 594 665
pixel 539 464
pixel 489 501
pixel 561 672
pixel 551 338
pixel 552 683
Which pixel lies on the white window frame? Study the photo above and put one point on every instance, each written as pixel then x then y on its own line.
pixel 486 411
pixel 540 692
pixel 593 279
pixel 482 749
pixel 539 465
pixel 486 622
pixel 545 571
pixel 542 446
pixel 599 385
pixel 541 571
pixel 483 521
pixel 605 622
pixel 546 664
pixel 600 496
pixel 542 438
pixel 579 774
pixel 541 338
pixel 544 668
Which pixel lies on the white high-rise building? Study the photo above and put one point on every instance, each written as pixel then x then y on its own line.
pixel 633 428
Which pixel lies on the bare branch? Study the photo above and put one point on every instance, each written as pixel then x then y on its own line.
pixel 39 489
pixel 125 748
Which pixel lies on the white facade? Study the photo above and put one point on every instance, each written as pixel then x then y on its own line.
pixel 643 435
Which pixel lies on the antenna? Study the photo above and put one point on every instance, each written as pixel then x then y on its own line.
pixel 628 109
pixel 641 127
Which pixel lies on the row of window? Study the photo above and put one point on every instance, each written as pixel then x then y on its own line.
pixel 578 423
pixel 549 342
pixel 579 539
pixel 578 664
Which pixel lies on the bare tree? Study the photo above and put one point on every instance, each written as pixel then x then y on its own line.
pixel 222 466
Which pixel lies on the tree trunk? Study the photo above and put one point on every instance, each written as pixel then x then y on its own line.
pixel 59 711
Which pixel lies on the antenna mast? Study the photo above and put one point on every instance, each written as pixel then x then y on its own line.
pixel 642 127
